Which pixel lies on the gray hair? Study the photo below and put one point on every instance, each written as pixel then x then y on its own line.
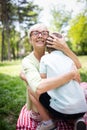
pixel 35 26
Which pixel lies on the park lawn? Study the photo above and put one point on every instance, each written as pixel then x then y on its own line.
pixel 13 91
pixel 12 94
pixel 83 60
pixel 83 70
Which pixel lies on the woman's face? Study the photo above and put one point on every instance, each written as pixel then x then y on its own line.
pixel 38 37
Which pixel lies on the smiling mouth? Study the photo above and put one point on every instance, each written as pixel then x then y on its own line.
pixel 41 40
pixel 41 43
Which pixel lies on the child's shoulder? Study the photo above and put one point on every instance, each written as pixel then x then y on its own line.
pixel 45 56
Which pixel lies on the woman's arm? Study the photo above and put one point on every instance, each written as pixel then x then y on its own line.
pixel 52 83
pixel 70 54
pixel 60 44
pixel 40 85
pixel 22 76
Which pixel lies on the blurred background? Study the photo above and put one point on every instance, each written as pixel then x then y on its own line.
pixel 68 17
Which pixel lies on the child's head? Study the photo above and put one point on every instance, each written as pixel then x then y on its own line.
pixel 58 35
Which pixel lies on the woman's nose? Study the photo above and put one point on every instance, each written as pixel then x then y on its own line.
pixel 40 35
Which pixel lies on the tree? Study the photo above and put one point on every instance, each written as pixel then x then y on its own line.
pixel 27 13
pixel 60 18
pixel 11 12
pixel 6 20
pixel 14 40
pixel 78 34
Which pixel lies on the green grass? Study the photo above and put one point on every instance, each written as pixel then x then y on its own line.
pixel 12 94
pixel 83 70
pixel 13 91
pixel 83 60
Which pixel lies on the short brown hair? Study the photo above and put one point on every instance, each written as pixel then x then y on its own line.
pixel 49 49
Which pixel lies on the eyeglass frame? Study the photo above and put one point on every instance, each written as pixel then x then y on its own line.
pixel 39 33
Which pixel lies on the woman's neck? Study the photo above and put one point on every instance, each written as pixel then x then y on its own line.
pixel 39 53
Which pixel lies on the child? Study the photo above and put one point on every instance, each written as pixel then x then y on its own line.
pixel 68 101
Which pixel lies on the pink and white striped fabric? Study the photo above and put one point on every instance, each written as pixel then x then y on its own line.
pixel 27 122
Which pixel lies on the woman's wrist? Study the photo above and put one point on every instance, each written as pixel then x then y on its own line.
pixel 66 50
pixel 75 76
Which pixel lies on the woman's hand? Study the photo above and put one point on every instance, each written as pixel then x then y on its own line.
pixel 57 43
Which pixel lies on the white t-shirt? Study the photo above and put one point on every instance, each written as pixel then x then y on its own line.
pixel 69 98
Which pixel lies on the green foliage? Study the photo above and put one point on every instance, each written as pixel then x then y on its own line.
pixel 83 70
pixel 78 34
pixel 27 45
pixel 28 13
pixel 76 27
pixel 83 73
pixel 60 18
pixel 14 13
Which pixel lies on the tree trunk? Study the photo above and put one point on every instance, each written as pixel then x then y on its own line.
pixel 2 46
pixel 8 41
pixel 13 53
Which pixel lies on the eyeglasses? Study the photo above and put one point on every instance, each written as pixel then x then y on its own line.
pixel 37 33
